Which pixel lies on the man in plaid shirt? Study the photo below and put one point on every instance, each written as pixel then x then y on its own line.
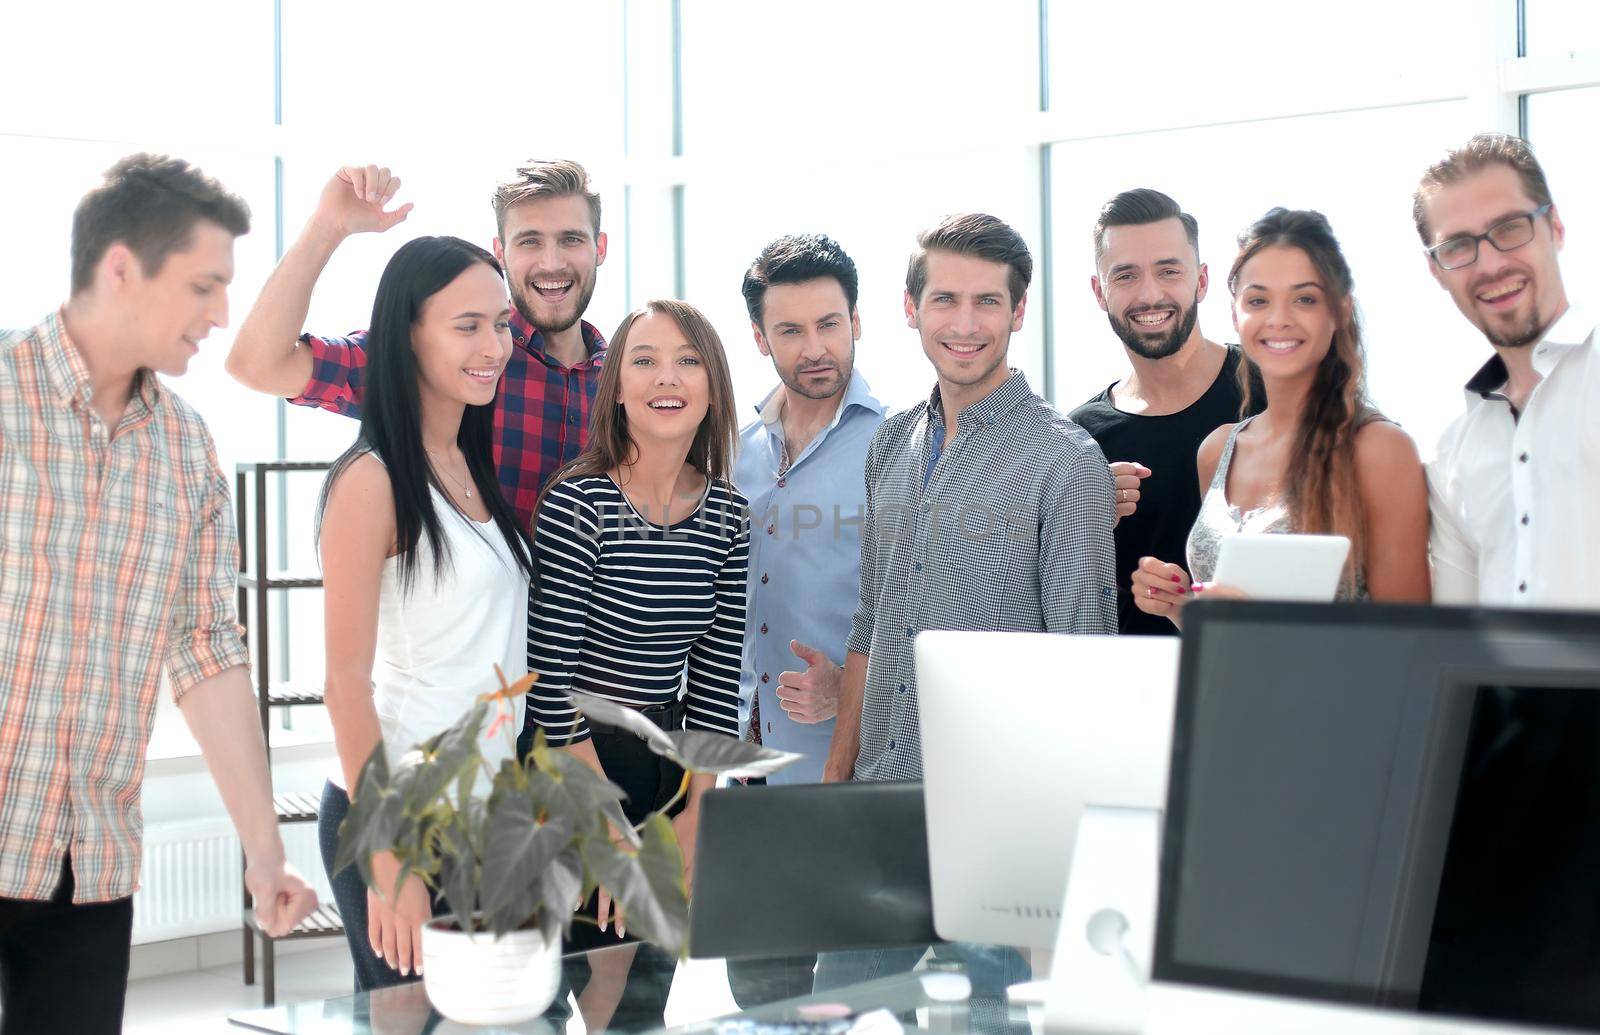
pixel 548 222
pixel 118 563
pixel 550 244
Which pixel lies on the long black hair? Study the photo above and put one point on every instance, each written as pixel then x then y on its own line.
pixel 391 409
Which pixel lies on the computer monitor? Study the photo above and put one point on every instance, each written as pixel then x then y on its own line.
pixel 1387 807
pixel 1021 731
pixel 859 849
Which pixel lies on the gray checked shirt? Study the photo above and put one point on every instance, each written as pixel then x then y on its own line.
pixel 1012 532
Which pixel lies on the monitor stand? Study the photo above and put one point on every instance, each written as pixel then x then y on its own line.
pixel 1101 963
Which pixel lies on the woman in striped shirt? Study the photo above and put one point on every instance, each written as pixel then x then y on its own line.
pixel 642 545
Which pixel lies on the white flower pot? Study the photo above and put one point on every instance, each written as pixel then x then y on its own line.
pixel 484 980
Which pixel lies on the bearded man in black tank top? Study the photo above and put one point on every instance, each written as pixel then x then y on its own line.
pixel 1150 281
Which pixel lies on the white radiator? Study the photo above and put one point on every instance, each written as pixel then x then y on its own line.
pixel 190 884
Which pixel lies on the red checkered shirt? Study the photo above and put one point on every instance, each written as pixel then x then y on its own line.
pixel 117 559
pixel 541 412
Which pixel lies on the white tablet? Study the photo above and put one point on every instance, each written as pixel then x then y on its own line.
pixel 1275 566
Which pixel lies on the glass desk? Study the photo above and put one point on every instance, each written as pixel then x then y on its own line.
pixel 948 988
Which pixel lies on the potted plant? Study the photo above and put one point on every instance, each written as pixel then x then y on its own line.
pixel 513 858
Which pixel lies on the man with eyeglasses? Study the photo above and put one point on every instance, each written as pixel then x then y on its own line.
pixel 1515 488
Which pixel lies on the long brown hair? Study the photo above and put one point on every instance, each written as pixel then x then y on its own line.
pixel 611 443
pixel 1320 489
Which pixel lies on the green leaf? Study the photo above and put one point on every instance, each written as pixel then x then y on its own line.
pixel 374 831
pixel 540 753
pixel 649 884
pixel 563 883
pixel 575 790
pixel 374 775
pixel 420 781
pixel 457 746
pixel 464 784
pixel 553 926
pixel 705 752
pixel 354 832
pixel 609 713
pixel 458 881
pixel 519 850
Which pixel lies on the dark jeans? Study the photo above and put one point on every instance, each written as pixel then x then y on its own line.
pixel 63 967
pixel 350 894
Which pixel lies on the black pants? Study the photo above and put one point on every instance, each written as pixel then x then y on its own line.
pixel 650 781
pixel 63 967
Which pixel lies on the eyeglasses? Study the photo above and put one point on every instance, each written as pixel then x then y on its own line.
pixel 1505 235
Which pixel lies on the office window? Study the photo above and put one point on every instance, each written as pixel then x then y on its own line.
pixel 1173 62
pixel 1357 168
pixel 1561 127
pixel 1556 27
pixel 788 86
pixel 106 68
pixel 545 76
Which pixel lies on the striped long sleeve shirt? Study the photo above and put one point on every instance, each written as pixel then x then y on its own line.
pixel 636 612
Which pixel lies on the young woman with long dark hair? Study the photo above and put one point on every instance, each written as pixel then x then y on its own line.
pixel 642 545
pixel 423 561
pixel 1319 458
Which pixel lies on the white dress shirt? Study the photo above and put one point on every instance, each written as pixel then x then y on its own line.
pixel 1515 497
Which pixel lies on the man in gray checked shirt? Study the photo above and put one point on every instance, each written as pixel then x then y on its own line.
pixel 987 508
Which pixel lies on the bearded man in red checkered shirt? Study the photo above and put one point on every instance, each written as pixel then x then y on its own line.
pixel 549 241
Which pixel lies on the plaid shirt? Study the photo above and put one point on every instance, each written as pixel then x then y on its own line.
pixel 541 414
pixel 117 557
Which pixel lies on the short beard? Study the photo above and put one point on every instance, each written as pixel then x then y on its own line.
pixel 519 299
pixel 1531 334
pixel 792 381
pixel 1165 347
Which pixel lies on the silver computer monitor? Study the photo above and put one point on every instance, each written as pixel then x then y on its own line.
pixel 1020 732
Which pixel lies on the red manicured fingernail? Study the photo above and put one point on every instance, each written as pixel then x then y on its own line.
pixel 1176 579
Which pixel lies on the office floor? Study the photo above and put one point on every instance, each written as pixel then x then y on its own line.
pixel 198 1002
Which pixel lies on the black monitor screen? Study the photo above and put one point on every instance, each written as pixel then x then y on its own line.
pixel 1390 806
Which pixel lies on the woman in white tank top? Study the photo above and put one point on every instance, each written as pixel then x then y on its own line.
pixel 425 569
pixel 1318 458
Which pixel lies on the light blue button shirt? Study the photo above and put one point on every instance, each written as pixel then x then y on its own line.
pixel 805 556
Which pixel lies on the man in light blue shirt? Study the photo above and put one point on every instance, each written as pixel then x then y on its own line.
pixel 801 464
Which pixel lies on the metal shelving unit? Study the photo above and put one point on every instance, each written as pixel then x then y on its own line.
pixel 250 501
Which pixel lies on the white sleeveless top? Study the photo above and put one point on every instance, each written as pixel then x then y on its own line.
pixel 439 641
